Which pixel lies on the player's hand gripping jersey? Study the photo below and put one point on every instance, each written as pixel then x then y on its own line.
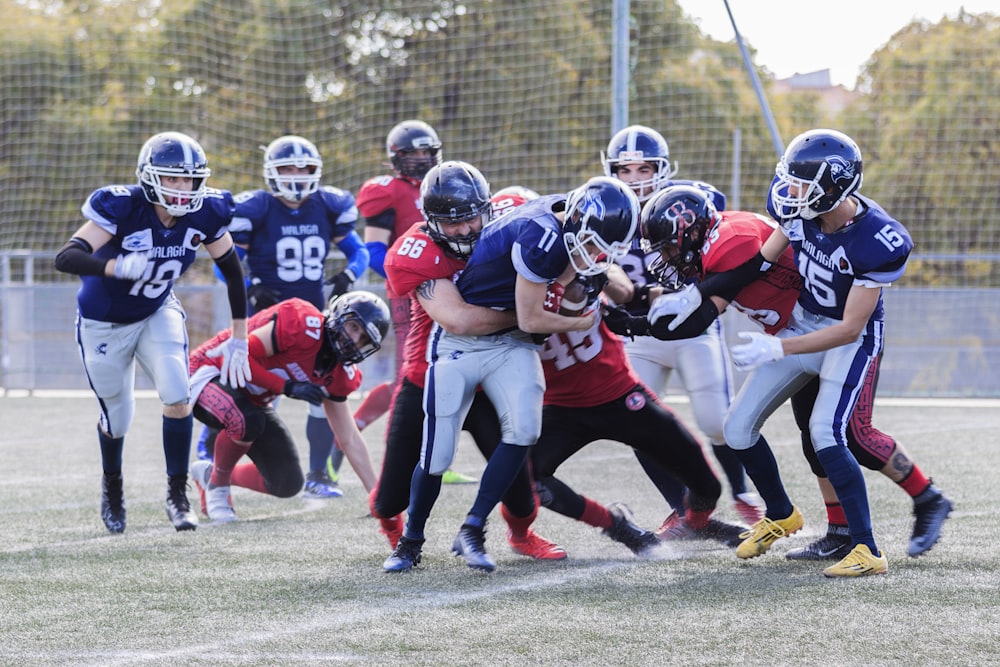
pixel 124 212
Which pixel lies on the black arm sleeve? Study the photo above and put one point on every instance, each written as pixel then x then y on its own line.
pixel 693 326
pixel 232 270
pixel 729 283
pixel 77 257
pixel 385 220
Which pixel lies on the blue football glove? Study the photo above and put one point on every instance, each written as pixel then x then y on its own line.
pixel 305 391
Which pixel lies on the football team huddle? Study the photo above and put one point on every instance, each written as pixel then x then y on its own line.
pixel 539 324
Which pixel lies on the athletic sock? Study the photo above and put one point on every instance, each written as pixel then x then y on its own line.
pixel 177 434
pixel 845 474
pixel 763 470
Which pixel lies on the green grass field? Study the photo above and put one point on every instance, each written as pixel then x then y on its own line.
pixel 300 582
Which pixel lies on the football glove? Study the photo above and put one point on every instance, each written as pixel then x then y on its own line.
pixel 759 349
pixel 261 297
pixel 619 321
pixel 131 266
pixel 681 304
pixel 305 391
pixel 235 370
pixel 341 282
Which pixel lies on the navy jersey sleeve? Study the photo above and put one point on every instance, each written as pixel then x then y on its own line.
pixel 342 212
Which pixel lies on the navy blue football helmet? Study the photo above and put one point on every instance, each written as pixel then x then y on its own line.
pixel 410 136
pixel 638 143
pixel 369 312
pixel 677 219
pixel 603 215
pixel 454 192
pixel 173 154
pixel 823 166
pixel 292 151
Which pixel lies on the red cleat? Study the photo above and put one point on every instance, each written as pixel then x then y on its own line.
pixel 533 545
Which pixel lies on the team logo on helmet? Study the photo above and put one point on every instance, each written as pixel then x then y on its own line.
pixel 840 169
pixel 592 206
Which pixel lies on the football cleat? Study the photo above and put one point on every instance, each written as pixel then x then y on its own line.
pixel 833 546
pixel 452 477
pixel 470 544
pixel 929 518
pixel 749 507
pixel 405 556
pixel 533 545
pixel 178 508
pixel 216 501
pixel 319 485
pixel 858 563
pixel 113 503
pixel 675 527
pixel 624 530
pixel 766 532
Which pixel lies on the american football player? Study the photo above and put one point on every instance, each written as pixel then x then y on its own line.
pixel 286 231
pixel 847 249
pixel 421 265
pixel 769 301
pixel 297 351
pixel 550 238
pixel 639 156
pixel 390 205
pixel 137 240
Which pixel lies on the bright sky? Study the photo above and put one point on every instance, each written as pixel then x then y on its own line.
pixel 791 36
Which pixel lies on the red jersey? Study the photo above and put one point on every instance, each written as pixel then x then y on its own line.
pixel 586 368
pixel 737 238
pixel 298 335
pixel 384 193
pixel 412 260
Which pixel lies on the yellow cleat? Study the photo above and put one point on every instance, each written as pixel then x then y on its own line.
pixel 859 563
pixel 766 532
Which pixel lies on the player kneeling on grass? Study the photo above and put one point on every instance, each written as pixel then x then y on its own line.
pixel 297 351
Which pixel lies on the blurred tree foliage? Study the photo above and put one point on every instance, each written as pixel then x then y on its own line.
pixel 521 88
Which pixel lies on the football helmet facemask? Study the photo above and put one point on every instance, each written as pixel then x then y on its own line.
pixel 601 215
pixel 823 166
pixel 371 315
pixel 677 219
pixel 637 144
pixel 403 140
pixel 173 154
pixel 292 151
pixel 454 192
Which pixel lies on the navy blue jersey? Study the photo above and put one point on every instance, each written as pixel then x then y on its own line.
pixel 871 250
pixel 527 241
pixel 287 248
pixel 636 262
pixel 124 212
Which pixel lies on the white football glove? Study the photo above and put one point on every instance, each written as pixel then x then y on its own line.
pixel 131 266
pixel 682 304
pixel 759 349
pixel 235 355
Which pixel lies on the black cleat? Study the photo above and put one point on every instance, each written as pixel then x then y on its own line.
pixel 178 508
pixel 835 545
pixel 623 529
pixel 113 503
pixel 405 556
pixel 930 516
pixel 470 544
